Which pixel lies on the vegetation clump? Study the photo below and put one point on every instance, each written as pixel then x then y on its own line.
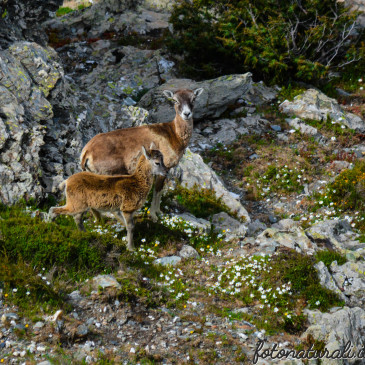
pixel 200 202
pixel 346 194
pixel 63 10
pixel 279 287
pixel 327 257
pixel 277 40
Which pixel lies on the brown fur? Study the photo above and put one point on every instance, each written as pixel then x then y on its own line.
pixel 120 193
pixel 116 152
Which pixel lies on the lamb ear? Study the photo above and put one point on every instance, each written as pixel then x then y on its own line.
pixel 168 93
pixel 145 153
pixel 153 146
pixel 197 92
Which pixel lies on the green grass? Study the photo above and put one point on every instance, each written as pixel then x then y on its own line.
pixel 277 288
pixel 63 11
pixel 289 92
pixel 345 195
pixel 202 203
pixel 329 256
pixel 44 261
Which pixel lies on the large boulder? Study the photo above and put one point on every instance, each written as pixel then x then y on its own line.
pixel 294 238
pixel 350 277
pixel 213 102
pixel 327 280
pixel 192 171
pixel 29 75
pixel 338 235
pixel 336 329
pixel 313 104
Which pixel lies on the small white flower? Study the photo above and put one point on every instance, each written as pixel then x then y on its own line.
pixel 318 302
pixel 15 290
pixel 333 138
pixel 276 310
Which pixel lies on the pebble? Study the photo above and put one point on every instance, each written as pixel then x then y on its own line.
pixel 38 325
pixel 276 128
pixel 8 317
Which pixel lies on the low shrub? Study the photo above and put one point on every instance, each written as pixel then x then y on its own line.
pixel 277 40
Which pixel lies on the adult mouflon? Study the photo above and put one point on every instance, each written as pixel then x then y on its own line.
pixel 117 152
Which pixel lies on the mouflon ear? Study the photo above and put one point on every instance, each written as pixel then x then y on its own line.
pixel 153 146
pixel 145 153
pixel 168 93
pixel 197 92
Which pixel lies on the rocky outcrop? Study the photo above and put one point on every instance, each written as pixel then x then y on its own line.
pixel 351 278
pixel 337 235
pixel 313 104
pixel 107 18
pixel 327 280
pixel 19 20
pixel 32 77
pixel 336 329
pixel 192 171
pixel 213 102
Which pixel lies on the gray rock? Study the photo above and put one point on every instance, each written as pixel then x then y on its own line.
pixel 232 227
pixel 336 329
pixel 260 94
pixel 75 297
pixel 295 239
pixel 336 234
pixel 275 128
pixel 200 223
pixel 327 281
pixel 350 277
pixel 255 227
pixel 168 260
pixel 8 317
pixel 192 171
pixel 286 225
pixel 313 104
pixel 358 150
pixel 188 252
pixel 304 128
pixel 17 21
pixel 82 330
pixel 38 325
pixel 105 281
pixel 217 96
pixel 338 166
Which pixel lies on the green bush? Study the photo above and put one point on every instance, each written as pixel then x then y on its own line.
pixel 277 40
pixel 200 202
